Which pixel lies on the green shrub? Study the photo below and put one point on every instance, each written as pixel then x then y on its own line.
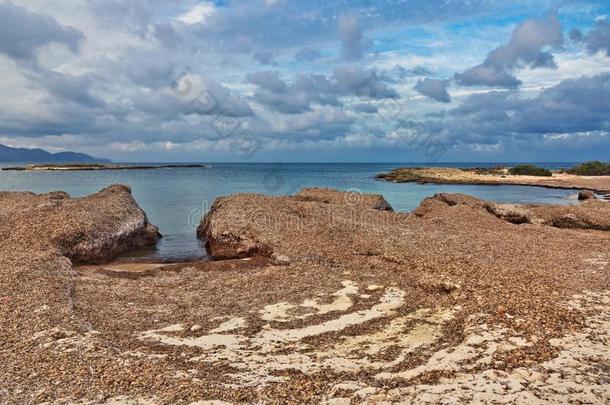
pixel 529 170
pixel 593 168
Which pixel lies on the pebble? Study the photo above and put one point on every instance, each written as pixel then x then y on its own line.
pixel 281 260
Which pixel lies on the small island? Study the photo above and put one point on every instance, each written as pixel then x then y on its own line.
pixel 588 176
pixel 97 166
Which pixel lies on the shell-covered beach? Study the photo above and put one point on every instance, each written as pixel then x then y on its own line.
pixel 319 297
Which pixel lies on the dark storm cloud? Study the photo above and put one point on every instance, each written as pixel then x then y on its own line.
pixel 22 32
pixel 434 88
pixel 524 48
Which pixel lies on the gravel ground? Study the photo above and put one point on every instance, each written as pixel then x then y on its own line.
pixel 324 297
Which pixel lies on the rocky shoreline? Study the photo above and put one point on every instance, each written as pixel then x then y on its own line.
pixel 321 297
pixel 443 175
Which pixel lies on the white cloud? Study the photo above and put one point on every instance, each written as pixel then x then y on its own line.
pixel 197 14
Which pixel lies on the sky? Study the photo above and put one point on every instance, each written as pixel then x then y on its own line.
pixel 282 80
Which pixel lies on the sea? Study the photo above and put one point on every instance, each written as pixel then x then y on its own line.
pixel 175 199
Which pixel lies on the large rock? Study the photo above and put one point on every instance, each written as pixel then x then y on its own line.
pixel 94 228
pixel 232 228
pixel 508 212
pixel 220 240
pixel 591 214
pixel 586 195
pixel 42 236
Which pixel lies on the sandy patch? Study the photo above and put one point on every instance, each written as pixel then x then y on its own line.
pixel 577 374
pixel 280 312
pixel 258 357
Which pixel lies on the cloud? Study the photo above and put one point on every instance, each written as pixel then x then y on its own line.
pixel 73 88
pixel 325 123
pixel 207 96
pixel 268 80
pixel 22 32
pixel 264 57
pixel 279 96
pixel 115 85
pixel 353 43
pixel 434 88
pixel 307 55
pixel 240 44
pixel 305 90
pixel 362 82
pixel 596 40
pixel 197 14
pixel 136 16
pixel 167 35
pixel 571 107
pixel 366 108
pixel 525 48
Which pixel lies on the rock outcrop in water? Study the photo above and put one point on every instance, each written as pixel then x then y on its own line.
pixel 586 195
pixel 92 229
pixel 221 243
pixel 448 175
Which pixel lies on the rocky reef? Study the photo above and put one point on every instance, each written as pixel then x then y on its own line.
pixel 500 176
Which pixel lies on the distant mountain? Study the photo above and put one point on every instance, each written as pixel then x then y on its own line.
pixel 22 155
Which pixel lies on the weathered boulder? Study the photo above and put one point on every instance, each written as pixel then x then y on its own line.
pixel 42 236
pixel 218 231
pixel 586 195
pixel 91 229
pixel 591 214
pixel 508 212
pixel 232 228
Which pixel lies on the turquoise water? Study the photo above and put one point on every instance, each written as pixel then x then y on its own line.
pixel 175 199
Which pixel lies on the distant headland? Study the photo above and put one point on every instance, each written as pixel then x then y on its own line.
pixel 96 166
pixel 23 155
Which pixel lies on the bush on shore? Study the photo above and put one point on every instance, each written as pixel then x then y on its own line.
pixel 593 168
pixel 529 170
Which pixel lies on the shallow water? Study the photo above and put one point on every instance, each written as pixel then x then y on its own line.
pixel 176 199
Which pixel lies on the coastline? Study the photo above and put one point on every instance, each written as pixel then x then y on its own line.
pixel 320 296
pixel 441 175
